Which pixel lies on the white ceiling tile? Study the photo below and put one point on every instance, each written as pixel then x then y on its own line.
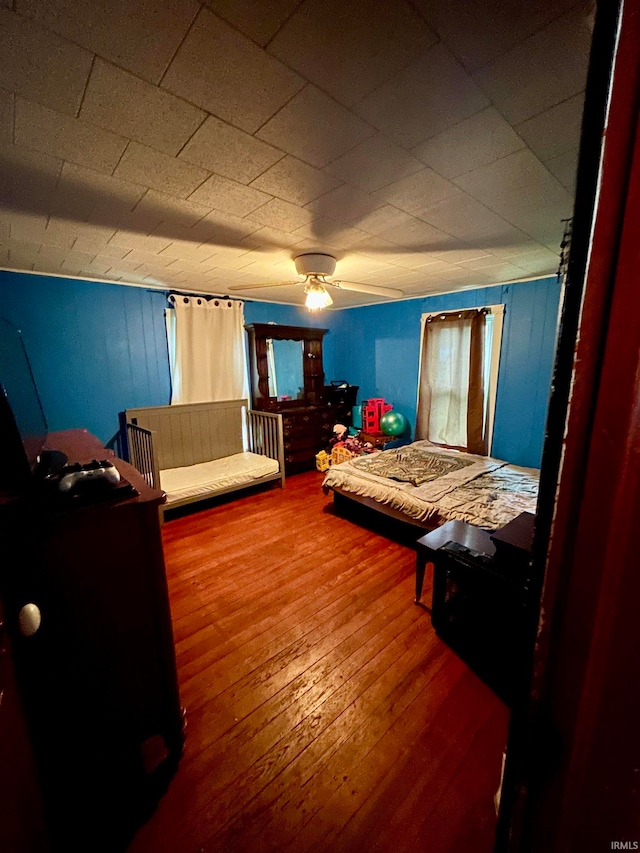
pixel 487 262
pixel 97 247
pixel 6 118
pixel 383 219
pixel 329 233
pixel 541 71
pixel 502 185
pixel 131 107
pixel 564 167
pixel 121 267
pixel 271 239
pixel 374 163
pixel 378 247
pixel 23 255
pixel 418 236
pixel 227 151
pixel 258 19
pixel 65 137
pixel 544 222
pixel 98 266
pixel 139 256
pixel 282 215
pixel 159 171
pixel 315 128
pixel 157 207
pixel 99 233
pixel 395 35
pixel 417 260
pixel 227 228
pixel 344 204
pixel 457 255
pixel 476 141
pixel 556 130
pixel 226 257
pixel 417 191
pixel 145 242
pixel 223 72
pixel 507 272
pixel 432 94
pixel 478 32
pixel 41 66
pixel 141 37
pixel 75 262
pixel 512 251
pixel 467 219
pixel 26 231
pixel 229 196
pixel 192 265
pixel 186 250
pixel 85 191
pixel 28 177
pixel 295 181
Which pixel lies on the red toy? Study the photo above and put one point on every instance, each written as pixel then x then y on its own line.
pixel 372 411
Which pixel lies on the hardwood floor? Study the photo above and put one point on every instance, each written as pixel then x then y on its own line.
pixel 323 712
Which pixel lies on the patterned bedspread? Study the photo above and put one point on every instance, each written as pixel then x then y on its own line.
pixel 433 485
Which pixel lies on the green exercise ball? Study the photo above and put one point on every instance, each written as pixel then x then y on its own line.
pixel 393 423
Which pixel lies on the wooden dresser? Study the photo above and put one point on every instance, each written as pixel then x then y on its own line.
pixel 306 431
pixel 96 671
pixel 307 418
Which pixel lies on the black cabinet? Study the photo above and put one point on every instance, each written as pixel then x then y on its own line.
pixel 484 597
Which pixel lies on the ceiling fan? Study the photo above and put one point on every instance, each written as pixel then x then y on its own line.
pixel 316 271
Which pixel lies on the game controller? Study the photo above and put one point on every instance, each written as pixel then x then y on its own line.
pixel 98 473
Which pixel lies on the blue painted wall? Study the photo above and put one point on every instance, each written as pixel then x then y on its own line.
pixel 378 349
pixel 97 349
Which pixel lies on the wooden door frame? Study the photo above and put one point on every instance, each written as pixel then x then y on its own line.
pixel 573 762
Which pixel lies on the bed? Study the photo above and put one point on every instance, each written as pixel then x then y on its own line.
pixel 204 450
pixel 426 485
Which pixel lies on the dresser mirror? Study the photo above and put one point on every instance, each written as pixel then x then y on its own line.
pixel 285 363
pixel 285 360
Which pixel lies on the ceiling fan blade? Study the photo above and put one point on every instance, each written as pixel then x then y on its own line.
pixel 260 284
pixel 391 292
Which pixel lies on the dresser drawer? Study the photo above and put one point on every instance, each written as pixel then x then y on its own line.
pixel 302 442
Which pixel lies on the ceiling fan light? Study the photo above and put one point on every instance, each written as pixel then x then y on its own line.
pixel 317 297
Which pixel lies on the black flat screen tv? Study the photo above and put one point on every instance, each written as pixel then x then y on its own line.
pixel 23 426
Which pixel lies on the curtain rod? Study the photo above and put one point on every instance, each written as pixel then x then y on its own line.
pixel 206 296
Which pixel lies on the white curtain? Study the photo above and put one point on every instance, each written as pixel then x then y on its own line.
pixel 452 397
pixel 208 360
pixel 447 379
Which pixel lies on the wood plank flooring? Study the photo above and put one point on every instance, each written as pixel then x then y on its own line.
pixel 323 712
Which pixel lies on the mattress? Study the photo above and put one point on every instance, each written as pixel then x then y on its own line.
pixel 482 491
pixel 218 474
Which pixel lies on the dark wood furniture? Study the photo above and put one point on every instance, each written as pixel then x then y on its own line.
pixel 98 678
pixel 376 439
pixel 428 545
pixel 308 421
pixel 482 602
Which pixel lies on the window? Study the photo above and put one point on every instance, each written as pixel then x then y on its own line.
pixel 457 386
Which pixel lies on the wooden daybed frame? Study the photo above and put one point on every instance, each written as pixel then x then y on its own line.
pixel 167 437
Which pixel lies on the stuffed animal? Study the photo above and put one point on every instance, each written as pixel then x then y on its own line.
pixel 340 432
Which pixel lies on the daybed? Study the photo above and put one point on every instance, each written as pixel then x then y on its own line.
pixel 426 485
pixel 203 450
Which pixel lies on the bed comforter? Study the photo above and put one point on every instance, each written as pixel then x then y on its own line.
pixel 432 485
